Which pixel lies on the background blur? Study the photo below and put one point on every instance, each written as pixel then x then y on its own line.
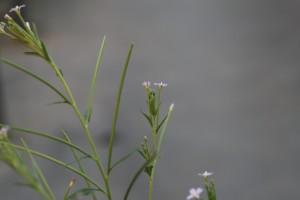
pixel 233 72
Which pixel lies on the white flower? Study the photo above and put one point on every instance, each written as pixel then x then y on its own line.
pixel 161 84
pixel 1 28
pixel 28 25
pixel 17 8
pixel 6 16
pixel 194 193
pixel 206 174
pixel 171 107
pixel 146 84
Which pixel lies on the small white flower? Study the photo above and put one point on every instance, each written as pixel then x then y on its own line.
pixel 1 27
pixel 161 84
pixel 171 107
pixel 146 84
pixel 6 16
pixel 28 25
pixel 206 174
pixel 194 193
pixel 17 8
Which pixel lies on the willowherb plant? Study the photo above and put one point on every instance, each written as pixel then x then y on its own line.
pixel 26 34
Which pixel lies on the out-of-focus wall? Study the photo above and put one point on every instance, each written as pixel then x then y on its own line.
pixel 233 74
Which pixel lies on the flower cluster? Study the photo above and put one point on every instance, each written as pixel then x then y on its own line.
pixel 23 33
pixel 195 192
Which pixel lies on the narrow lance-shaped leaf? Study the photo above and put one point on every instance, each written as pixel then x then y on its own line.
pixel 95 75
pixel 124 158
pixel 148 118
pixel 161 123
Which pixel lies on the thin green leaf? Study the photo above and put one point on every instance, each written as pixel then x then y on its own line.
pixel 161 123
pixel 26 71
pixel 34 30
pixel 40 174
pixel 124 158
pixel 89 110
pixel 82 192
pixel 61 72
pixel 45 52
pixel 142 154
pixel 78 160
pixel 87 115
pixel 114 124
pixel 57 102
pixel 54 160
pixel 148 118
pixel 137 174
pixel 32 53
pixel 50 137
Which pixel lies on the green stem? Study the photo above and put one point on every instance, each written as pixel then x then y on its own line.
pixel 158 152
pixel 85 127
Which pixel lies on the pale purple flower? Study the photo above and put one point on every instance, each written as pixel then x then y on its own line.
pixel 161 84
pixel 146 84
pixel 194 193
pixel 17 8
pixel 206 174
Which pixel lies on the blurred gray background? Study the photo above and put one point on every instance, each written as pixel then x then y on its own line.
pixel 233 73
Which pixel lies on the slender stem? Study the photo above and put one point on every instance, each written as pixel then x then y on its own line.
pixel 113 129
pixel 137 174
pixel 85 127
pixel 158 152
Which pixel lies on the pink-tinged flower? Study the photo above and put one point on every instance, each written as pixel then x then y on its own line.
pixel 146 84
pixel 194 193
pixel 206 174
pixel 17 8
pixel 161 84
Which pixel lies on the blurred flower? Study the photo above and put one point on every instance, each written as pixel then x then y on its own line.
pixel 161 84
pixel 3 132
pixel 1 28
pixel 17 8
pixel 28 25
pixel 171 106
pixel 6 16
pixel 194 193
pixel 146 84
pixel 206 174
